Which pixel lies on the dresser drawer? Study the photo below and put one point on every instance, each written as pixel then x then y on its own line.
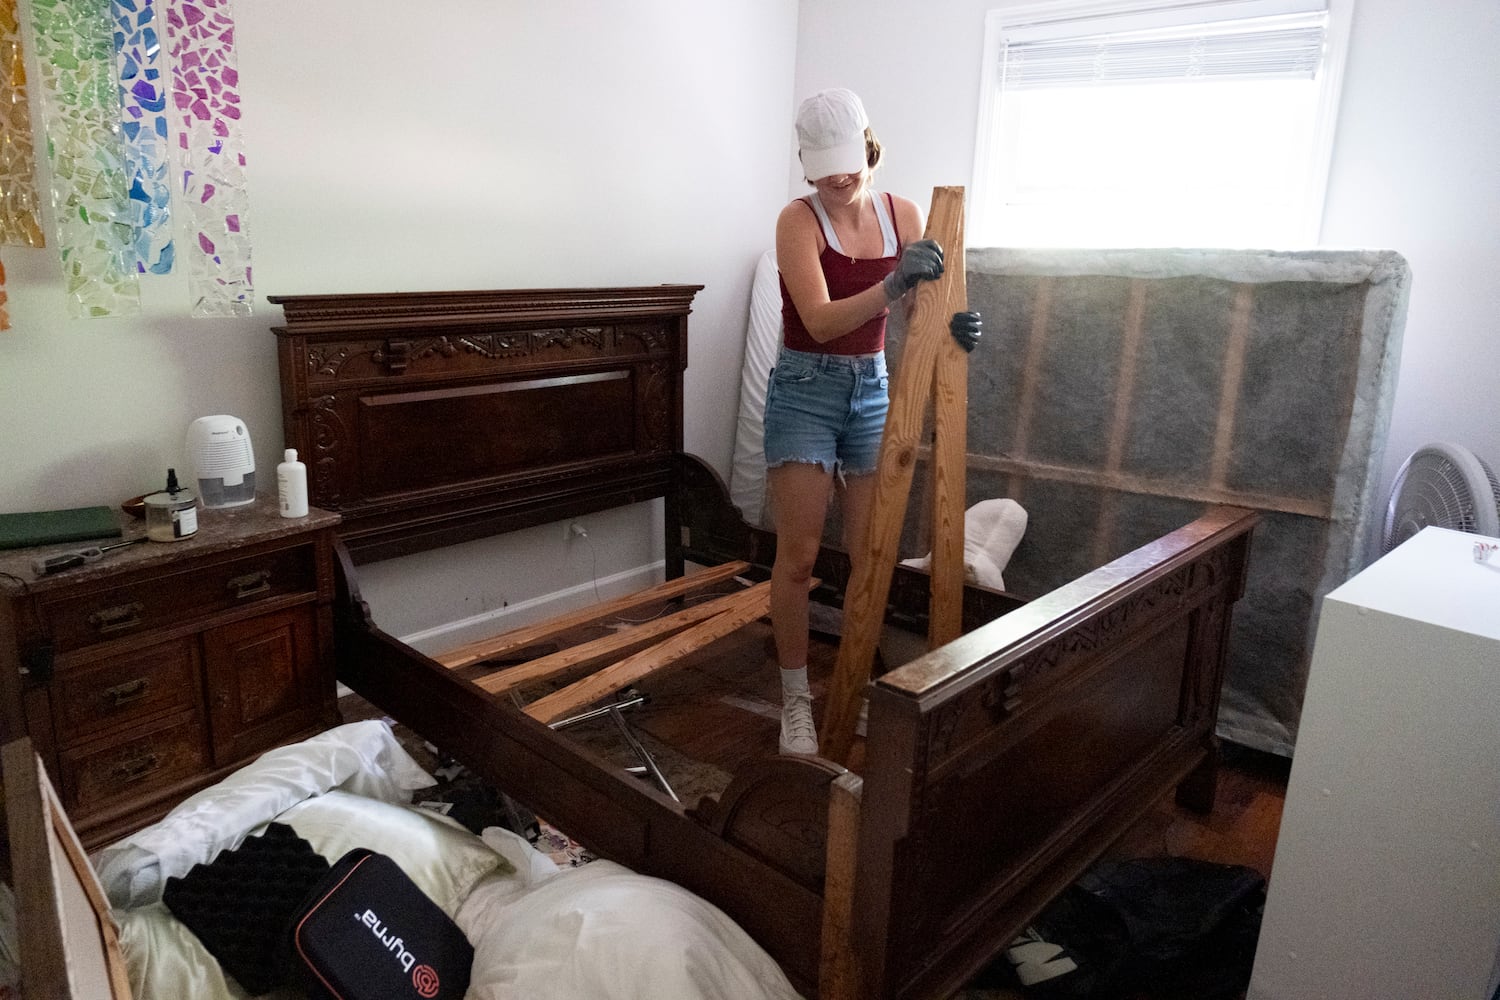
pixel 132 770
pixel 76 621
pixel 120 690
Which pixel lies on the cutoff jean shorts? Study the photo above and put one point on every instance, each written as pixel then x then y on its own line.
pixel 827 410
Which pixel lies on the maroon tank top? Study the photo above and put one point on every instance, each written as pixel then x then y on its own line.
pixel 845 276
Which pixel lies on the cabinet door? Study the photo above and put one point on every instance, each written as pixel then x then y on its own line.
pixel 263 681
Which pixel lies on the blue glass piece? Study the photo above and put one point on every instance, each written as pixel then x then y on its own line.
pixel 163 264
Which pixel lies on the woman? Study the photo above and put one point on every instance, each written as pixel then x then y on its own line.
pixel 843 264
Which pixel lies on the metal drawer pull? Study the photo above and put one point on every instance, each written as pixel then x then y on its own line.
pixel 135 770
pixel 117 618
pixel 124 694
pixel 251 583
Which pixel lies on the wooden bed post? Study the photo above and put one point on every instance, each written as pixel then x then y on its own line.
pixel 839 969
pixel 928 350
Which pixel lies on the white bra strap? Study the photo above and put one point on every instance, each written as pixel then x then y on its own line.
pixel 887 228
pixel 883 217
pixel 829 235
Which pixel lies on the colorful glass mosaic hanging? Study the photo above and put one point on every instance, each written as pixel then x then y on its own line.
pixel 19 199
pixel 80 104
pixel 210 156
pixel 143 122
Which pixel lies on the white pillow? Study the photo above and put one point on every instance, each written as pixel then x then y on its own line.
pixel 363 757
pixel 166 961
pixel 604 932
pixel 440 855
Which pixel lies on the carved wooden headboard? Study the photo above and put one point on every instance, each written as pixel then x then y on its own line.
pixel 428 418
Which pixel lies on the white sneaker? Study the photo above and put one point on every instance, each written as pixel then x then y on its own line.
pixel 798 734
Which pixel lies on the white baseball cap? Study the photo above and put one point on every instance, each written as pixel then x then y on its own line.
pixel 831 133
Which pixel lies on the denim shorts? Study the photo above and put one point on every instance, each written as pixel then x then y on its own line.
pixel 827 410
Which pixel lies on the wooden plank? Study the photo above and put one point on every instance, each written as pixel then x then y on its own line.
pixel 838 967
pixel 1237 345
pixel 1132 333
pixel 68 944
pixel 950 427
pixel 528 634
pixel 739 610
pixel 598 649
pixel 865 597
pixel 1151 486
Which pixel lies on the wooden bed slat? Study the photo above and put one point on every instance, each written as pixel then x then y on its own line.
pixel 735 610
pixel 483 649
pixel 588 652
pixel 950 394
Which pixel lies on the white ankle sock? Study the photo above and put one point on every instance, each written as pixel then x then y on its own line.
pixel 794 681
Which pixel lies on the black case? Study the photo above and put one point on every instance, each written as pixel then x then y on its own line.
pixel 367 932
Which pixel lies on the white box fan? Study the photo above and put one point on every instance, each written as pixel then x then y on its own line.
pixel 1444 485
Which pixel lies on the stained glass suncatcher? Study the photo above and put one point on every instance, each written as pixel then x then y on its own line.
pixel 20 203
pixel 210 156
pixel 80 106
pixel 143 122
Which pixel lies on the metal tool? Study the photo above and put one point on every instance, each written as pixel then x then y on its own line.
pixel 77 557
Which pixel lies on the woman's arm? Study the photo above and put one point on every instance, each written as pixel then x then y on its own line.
pixel 798 244
pixel 911 225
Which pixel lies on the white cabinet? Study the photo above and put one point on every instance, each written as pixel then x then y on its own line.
pixel 1386 882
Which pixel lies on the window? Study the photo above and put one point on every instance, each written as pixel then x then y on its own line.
pixel 1148 123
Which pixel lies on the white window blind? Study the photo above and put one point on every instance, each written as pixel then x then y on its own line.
pixel 1285 47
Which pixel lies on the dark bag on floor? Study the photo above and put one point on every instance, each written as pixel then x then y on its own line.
pixel 1173 928
pixel 367 932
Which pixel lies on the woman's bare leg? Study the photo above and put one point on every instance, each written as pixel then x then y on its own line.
pixel 799 499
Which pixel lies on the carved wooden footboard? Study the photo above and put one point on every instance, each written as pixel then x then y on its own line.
pixel 1003 764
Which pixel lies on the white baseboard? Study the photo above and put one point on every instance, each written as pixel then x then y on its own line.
pixel 498 620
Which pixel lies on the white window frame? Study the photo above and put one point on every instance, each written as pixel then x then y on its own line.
pixel 983 217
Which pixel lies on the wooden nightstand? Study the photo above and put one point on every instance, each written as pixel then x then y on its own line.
pixel 162 667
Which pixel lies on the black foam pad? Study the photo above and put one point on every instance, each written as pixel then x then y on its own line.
pixel 240 903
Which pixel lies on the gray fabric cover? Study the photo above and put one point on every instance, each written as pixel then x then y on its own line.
pixel 1115 393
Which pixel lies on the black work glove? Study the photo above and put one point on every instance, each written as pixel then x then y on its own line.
pixel 919 261
pixel 965 329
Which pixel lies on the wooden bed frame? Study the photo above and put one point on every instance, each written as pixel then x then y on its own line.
pixel 997 767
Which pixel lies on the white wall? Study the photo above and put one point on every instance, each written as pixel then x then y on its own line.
pixel 1416 167
pixel 397 146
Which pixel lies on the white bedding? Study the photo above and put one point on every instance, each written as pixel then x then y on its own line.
pixel 539 932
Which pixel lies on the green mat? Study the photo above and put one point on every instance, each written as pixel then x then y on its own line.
pixel 46 527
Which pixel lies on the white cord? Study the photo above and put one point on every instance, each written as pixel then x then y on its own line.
pixel 594 557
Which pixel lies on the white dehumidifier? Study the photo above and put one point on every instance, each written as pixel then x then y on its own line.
pixel 223 461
